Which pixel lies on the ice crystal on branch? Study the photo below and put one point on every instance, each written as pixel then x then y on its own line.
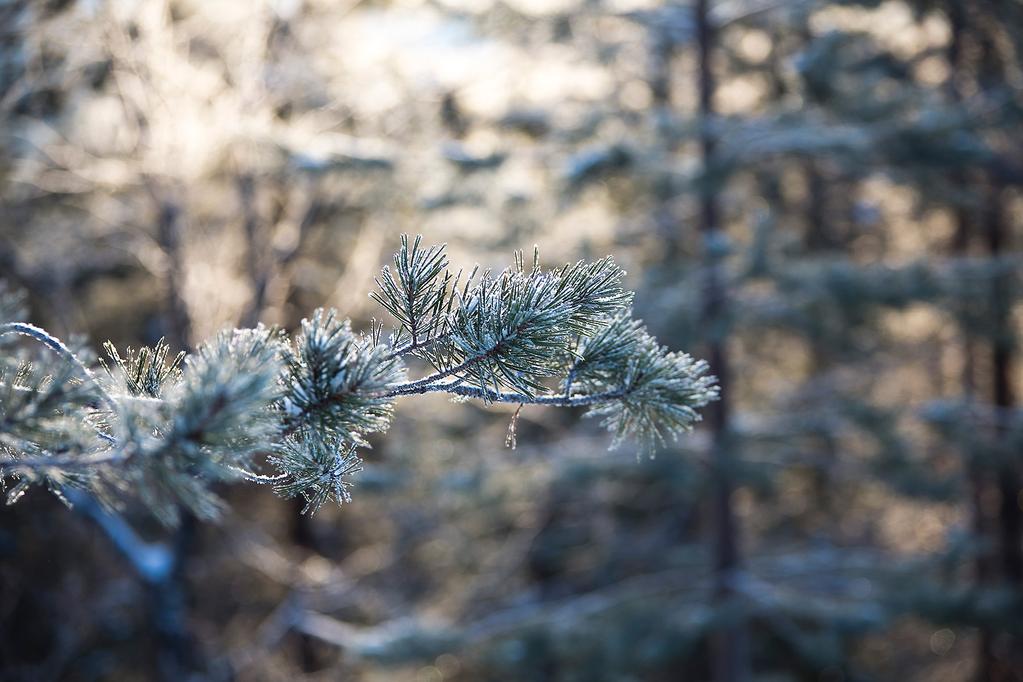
pixel 164 428
pixel 144 371
pixel 595 361
pixel 512 330
pixel 318 466
pixel 660 392
pixel 38 406
pixel 223 408
pixel 421 295
pixel 336 379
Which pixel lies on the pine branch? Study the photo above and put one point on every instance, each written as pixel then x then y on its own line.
pixel 165 427
pixel 549 400
pixel 60 462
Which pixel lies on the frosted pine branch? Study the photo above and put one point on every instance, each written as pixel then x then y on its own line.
pixel 163 428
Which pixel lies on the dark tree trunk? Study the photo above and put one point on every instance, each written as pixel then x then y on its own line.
pixel 730 654
pixel 980 480
pixel 178 653
pixel 1009 665
pixel 261 267
pixel 991 74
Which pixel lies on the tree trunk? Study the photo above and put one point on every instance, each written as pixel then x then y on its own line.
pixel 1009 665
pixel 991 71
pixel 730 654
pixel 179 653
pixel 980 480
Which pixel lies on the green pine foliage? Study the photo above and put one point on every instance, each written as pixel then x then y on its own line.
pixel 143 372
pixel 163 428
pixel 511 330
pixel 337 381
pixel 420 298
pixel 317 466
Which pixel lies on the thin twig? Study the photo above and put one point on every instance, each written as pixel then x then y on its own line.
pixel 58 347
pixel 553 400
pixel 418 385
pixel 410 347
pixel 63 462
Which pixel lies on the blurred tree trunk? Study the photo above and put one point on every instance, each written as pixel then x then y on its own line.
pixel 980 483
pixel 1009 666
pixel 179 653
pixel 661 56
pixel 255 256
pixel 992 74
pixel 820 238
pixel 178 323
pixel 263 266
pixel 730 655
